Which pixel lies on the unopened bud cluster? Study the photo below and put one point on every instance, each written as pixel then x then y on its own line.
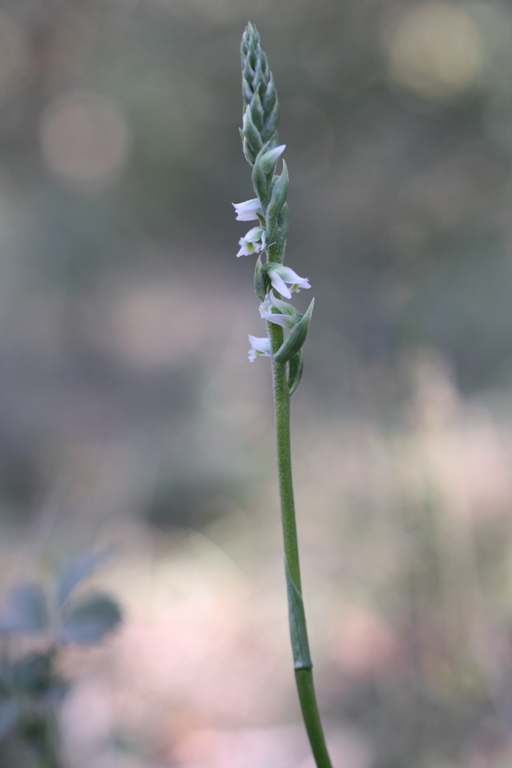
pixel 272 280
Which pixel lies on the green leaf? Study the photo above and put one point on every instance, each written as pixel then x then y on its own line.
pixel 88 620
pixel 25 610
pixel 297 619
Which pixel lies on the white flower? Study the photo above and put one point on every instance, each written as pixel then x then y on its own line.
pixel 252 242
pixel 259 346
pixel 281 277
pixel 248 210
pixel 287 316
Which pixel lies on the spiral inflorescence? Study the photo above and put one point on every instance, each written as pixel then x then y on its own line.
pixel 262 150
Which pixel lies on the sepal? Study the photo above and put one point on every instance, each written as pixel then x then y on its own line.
pixel 271 124
pixel 276 238
pixel 269 158
pixel 295 368
pixel 262 174
pixel 296 338
pixel 277 198
pixel 260 280
pixel 284 315
pixel 261 179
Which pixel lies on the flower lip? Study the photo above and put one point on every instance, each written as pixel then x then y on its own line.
pixel 248 210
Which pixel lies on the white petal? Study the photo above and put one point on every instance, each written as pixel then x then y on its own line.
pixel 292 278
pixel 248 210
pixel 283 306
pixel 244 250
pixel 259 346
pixel 279 284
pixel 252 242
pixel 285 321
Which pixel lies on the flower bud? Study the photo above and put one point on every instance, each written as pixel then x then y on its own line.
pixel 251 134
pixel 269 99
pixel 269 158
pixel 257 112
pixel 259 95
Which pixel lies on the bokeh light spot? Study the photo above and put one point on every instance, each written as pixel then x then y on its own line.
pixel 436 51
pixel 84 139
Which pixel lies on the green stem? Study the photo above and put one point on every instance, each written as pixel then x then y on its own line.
pixel 298 630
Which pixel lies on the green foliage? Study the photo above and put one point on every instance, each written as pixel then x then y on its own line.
pixel 260 145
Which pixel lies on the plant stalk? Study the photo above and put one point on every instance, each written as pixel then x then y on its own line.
pixel 297 619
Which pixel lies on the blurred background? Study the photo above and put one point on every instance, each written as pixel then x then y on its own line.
pixel 129 415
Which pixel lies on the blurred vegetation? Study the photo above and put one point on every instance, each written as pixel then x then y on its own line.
pixel 31 689
pixel 128 412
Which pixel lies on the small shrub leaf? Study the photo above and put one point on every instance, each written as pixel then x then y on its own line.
pixel 25 610
pixel 87 621
pixel 77 571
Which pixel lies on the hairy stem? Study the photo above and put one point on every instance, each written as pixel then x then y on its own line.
pixel 297 619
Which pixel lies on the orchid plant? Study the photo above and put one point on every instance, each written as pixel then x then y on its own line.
pixel 275 284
